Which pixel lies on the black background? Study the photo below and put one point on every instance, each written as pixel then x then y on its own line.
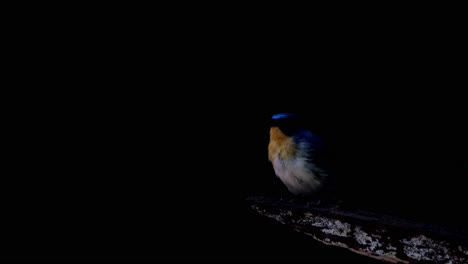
pixel 143 142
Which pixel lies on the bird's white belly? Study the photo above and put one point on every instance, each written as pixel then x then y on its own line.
pixel 296 176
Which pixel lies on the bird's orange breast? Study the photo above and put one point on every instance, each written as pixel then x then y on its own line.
pixel 280 144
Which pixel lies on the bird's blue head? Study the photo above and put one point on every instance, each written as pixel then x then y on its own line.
pixel 287 122
pixel 293 124
pixel 283 116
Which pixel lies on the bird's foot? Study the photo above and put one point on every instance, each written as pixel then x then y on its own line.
pixel 314 202
pixel 287 200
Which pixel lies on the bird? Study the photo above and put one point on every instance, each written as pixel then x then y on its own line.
pixel 298 156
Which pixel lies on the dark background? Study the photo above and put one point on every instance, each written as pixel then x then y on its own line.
pixel 142 143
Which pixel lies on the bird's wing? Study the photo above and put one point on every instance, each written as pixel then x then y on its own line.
pixel 318 152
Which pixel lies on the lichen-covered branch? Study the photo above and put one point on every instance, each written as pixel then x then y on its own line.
pixel 382 237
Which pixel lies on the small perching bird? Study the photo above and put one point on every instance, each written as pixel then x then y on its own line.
pixel 297 155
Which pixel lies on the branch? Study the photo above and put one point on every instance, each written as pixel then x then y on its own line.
pixel 384 237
